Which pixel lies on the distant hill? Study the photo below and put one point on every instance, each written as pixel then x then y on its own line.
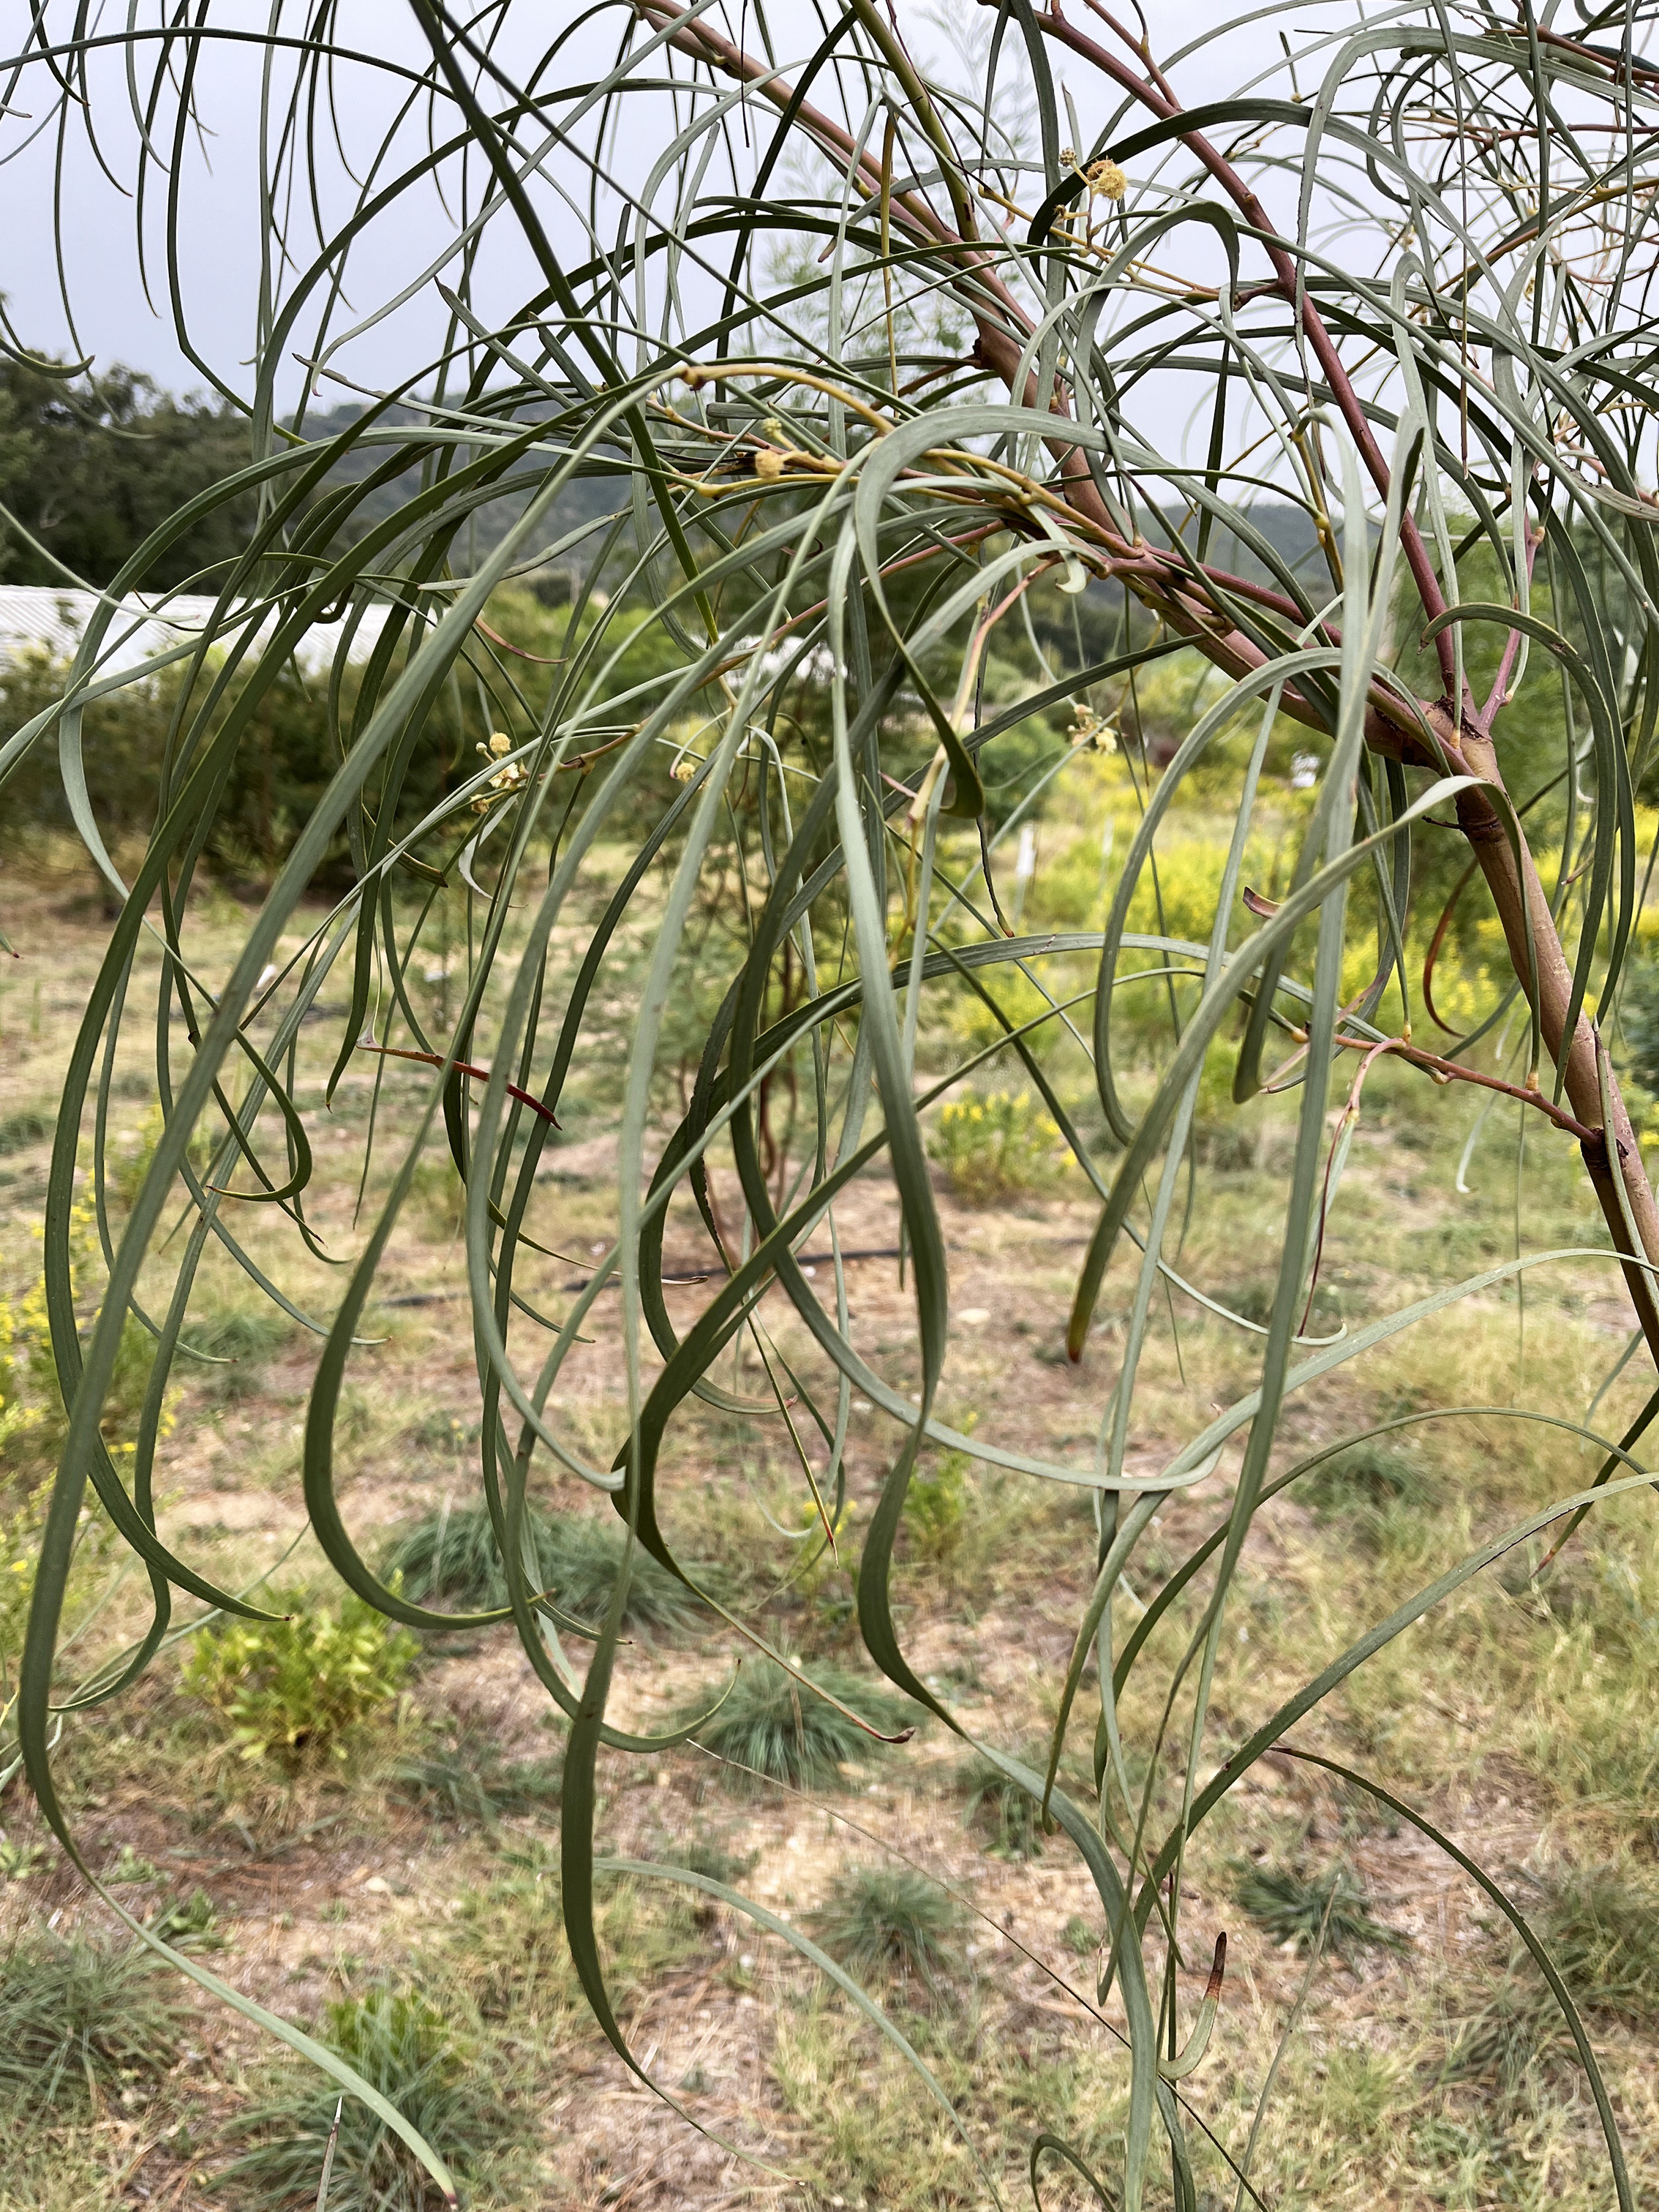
pixel 585 500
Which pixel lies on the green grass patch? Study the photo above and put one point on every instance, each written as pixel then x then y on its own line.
pixel 1329 1909
pixel 402 2047
pixel 469 1778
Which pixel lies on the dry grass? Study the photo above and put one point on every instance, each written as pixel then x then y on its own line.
pixel 1421 2075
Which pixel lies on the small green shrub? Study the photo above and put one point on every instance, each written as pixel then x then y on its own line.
pixel 81 2018
pixel 469 1777
pixel 1292 1907
pixel 770 1724
pixel 892 1921
pixel 293 1690
pixel 452 1558
pixel 936 1506
pixel 402 2047
pixel 1006 1813
pixel 998 1147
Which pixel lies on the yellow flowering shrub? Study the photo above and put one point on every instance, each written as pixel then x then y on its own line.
pixel 997 1146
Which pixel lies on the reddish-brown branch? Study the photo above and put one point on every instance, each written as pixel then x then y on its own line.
pixel 1444 735
pixel 462 1067
pixel 1453 1071
pixel 1164 105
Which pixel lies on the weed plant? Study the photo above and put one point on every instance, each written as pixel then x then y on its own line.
pixel 296 1692
pixel 937 1504
pixel 191 1924
pixel 997 1147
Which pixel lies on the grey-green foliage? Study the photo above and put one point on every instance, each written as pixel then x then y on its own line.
pixel 1601 1924
pixel 1329 1910
pixel 878 434
pixel 469 1777
pixel 893 1920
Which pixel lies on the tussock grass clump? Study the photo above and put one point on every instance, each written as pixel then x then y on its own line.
pixel 715 1860
pixel 1367 1476
pixel 1292 1907
pixel 241 1340
pixel 1006 1813
pixel 81 2018
pixel 402 2047
pixel 22 1127
pixel 769 1724
pixel 1600 1926
pixel 450 1557
pixel 892 1921
pixel 468 1778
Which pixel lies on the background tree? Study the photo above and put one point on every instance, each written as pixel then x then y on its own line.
pixel 88 470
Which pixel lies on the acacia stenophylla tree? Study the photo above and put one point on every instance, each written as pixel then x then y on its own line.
pixel 829 364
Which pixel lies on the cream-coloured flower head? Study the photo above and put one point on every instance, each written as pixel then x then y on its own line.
pixel 1106 179
pixel 1089 733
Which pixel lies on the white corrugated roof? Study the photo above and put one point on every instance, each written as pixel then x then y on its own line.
pixel 39 615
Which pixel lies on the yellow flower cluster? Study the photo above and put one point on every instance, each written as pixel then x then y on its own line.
pixel 508 777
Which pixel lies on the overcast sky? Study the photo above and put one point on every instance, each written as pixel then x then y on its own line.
pixel 113 317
